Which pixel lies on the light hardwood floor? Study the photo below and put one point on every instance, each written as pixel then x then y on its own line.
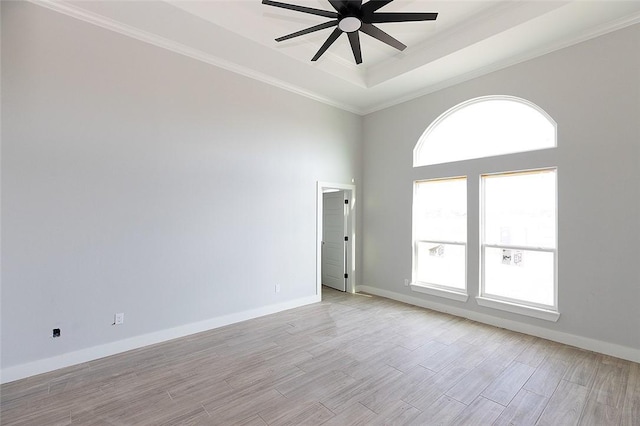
pixel 352 359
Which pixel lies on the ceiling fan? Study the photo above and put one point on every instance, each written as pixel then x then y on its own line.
pixel 351 16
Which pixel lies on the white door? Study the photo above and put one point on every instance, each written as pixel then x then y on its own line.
pixel 333 240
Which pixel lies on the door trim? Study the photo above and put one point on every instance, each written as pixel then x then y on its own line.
pixel 350 194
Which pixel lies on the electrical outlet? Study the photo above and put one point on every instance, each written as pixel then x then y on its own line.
pixel 119 318
pixel 406 282
pixel 277 288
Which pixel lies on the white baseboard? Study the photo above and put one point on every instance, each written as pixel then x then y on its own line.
pixel 618 351
pixel 22 371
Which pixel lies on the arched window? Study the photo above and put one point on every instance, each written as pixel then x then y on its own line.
pixel 485 127
pixel 515 222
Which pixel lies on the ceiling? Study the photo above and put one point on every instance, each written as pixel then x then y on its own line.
pixel 469 38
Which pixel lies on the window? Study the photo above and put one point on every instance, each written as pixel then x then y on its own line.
pixel 490 234
pixel 485 127
pixel 440 234
pixel 519 238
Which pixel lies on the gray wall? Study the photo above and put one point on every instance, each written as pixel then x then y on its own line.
pixel 592 90
pixel 137 180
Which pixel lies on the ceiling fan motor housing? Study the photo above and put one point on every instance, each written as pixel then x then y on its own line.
pixel 349 24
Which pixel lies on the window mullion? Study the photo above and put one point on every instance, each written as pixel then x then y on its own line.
pixel 521 247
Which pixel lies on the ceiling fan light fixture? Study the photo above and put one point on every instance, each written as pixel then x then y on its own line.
pixel 351 17
pixel 349 24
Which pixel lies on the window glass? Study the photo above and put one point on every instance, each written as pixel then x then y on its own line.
pixel 520 209
pixel 485 127
pixel 520 275
pixel 519 244
pixel 441 264
pixel 440 233
pixel 441 210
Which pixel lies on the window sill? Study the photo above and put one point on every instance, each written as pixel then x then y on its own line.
pixel 529 311
pixel 440 292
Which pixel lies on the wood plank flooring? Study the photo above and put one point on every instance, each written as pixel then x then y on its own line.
pixel 349 360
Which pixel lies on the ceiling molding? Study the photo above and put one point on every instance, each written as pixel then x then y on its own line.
pixel 486 23
pixel 164 43
pixel 360 100
pixel 594 33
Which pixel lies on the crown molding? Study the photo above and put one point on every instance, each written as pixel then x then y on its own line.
pixel 199 55
pixel 593 33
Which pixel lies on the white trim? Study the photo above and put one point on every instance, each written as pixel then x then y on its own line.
pixel 449 243
pixel 521 248
pixel 440 292
pixel 28 369
pixel 182 49
pixel 610 27
pixel 516 308
pixel 351 230
pixel 619 351
pixel 106 23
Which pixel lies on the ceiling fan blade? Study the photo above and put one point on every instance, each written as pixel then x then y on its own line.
pixel 333 37
pixel 373 5
pixel 354 4
pixel 354 39
pixel 309 30
pixel 377 33
pixel 338 5
pixel 312 11
pixel 380 17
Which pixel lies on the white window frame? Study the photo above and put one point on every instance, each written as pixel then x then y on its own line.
pixel 518 306
pixel 435 289
pixel 475 168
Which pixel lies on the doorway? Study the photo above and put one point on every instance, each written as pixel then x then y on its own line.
pixel 335 263
pixel 334 239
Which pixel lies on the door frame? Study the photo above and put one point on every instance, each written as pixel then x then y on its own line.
pixel 350 194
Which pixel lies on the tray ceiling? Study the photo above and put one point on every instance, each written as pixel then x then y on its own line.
pixel 468 39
